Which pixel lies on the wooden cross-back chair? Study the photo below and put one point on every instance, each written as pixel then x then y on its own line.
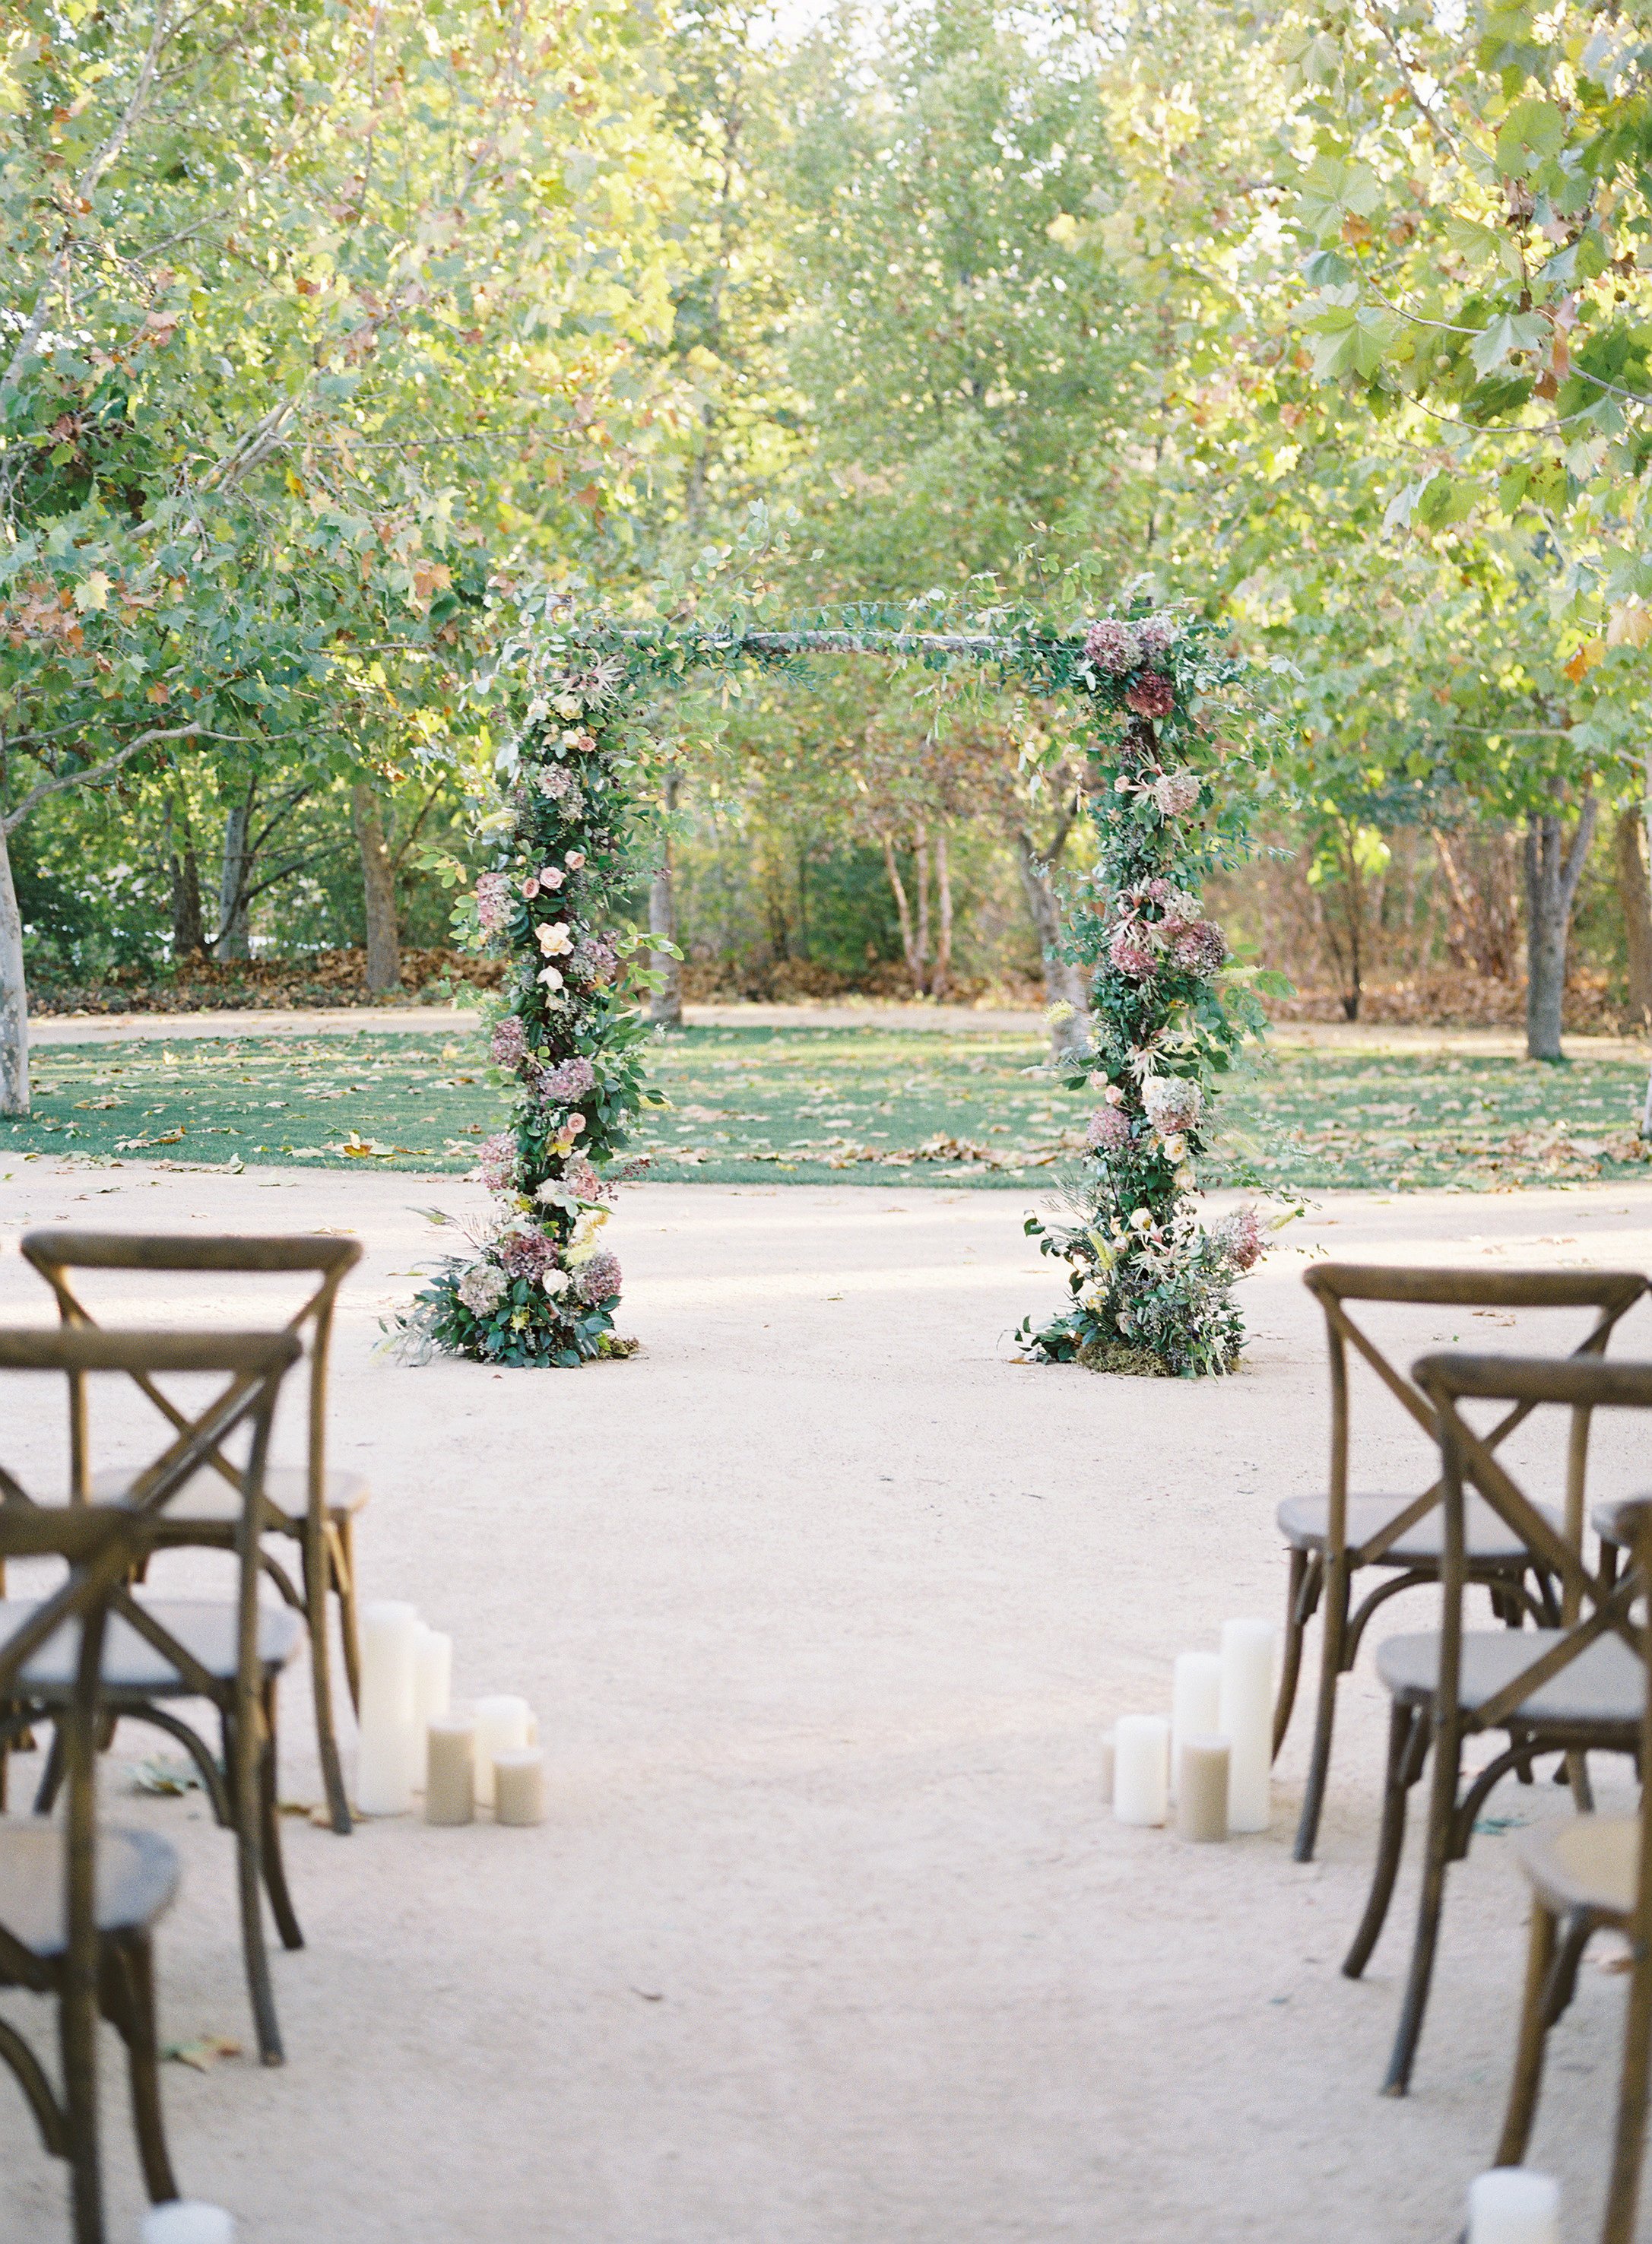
pixel 1592 1874
pixel 311 1505
pixel 78 1901
pixel 1334 1537
pixel 229 1652
pixel 1568 1689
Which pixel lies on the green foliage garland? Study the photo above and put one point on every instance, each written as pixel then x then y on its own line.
pixel 1167 702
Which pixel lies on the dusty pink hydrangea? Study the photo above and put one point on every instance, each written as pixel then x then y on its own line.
pixel 1152 695
pixel 496 1161
pixel 524 1253
pixel 1239 1237
pixel 1173 1102
pixel 1157 633
pixel 560 784
pixel 582 1179
pixel 1176 791
pixel 1109 1130
pixel 1113 646
pixel 1201 948
pixel 598 1279
pixel 570 1081
pixel 492 901
pixel 595 960
pixel 1130 953
pixel 509 1044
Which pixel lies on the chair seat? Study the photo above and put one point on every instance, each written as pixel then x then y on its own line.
pixel 1589 1863
pixel 205 1628
pixel 207 1495
pixel 1605 1686
pixel 137 1880
pixel 1304 1521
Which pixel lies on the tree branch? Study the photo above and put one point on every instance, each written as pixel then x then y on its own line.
pixel 94 771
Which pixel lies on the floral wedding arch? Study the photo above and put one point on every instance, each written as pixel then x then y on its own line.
pixel 1166 707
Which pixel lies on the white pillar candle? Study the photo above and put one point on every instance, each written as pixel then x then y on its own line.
pixel 432 1690
pixel 1106 1769
pixel 1195 1703
pixel 519 1787
pixel 1510 2205
pixel 384 1756
pixel 450 1775
pixel 1202 1788
pixel 1140 1768
pixel 501 1727
pixel 186 2221
pixel 1245 1718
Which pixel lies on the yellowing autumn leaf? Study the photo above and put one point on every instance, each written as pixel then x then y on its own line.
pixel 1592 651
pixel 93 594
pixel 1630 624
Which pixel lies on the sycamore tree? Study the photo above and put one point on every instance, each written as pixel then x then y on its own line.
pixel 318 330
pixel 1473 199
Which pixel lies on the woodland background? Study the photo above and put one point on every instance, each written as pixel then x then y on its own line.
pixel 332 327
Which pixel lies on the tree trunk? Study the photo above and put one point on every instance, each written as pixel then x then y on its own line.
pixel 943 973
pixel 188 927
pixel 1355 914
pixel 1635 904
pixel 921 881
pixel 903 913
pixel 1064 983
pixel 1552 877
pixel 14 994
pixel 378 893
pixel 664 1003
pixel 234 915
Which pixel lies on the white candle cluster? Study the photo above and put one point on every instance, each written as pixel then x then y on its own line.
pixel 1213 1758
pixel 412 1740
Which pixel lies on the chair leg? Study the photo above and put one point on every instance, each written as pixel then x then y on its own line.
pixel 316 1570
pixel 77 2040
pixel 1330 1661
pixel 344 1577
pixel 242 1755
pixel 274 1868
pixel 1437 1851
pixel 1629 2143
pixel 52 1775
pixel 1292 1666
pixel 1534 2036
pixel 1405 1725
pixel 135 2019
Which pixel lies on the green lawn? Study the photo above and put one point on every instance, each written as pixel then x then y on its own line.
pixel 828 1105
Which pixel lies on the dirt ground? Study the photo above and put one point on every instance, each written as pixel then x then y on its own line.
pixel 824 1601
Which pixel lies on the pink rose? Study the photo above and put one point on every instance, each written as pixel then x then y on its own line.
pixel 530 888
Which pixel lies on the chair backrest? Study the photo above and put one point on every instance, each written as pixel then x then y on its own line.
pixel 1611 1294
pixel 102 1542
pixel 1596 1603
pixel 55 1253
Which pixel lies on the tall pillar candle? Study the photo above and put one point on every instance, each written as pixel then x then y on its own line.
pixel 1245 1718
pixel 1140 1768
pixel 1510 2205
pixel 432 1690
pixel 186 2221
pixel 1202 1788
pixel 450 1773
pixel 384 1757
pixel 1195 1703
pixel 501 1727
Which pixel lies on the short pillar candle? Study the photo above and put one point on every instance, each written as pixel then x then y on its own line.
pixel 1510 2205
pixel 450 1775
pixel 501 1727
pixel 1246 1720
pixel 384 1756
pixel 1195 1703
pixel 186 2221
pixel 519 1787
pixel 1202 1788
pixel 1140 1768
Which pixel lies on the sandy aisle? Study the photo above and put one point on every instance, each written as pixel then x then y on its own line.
pixel 824 1602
